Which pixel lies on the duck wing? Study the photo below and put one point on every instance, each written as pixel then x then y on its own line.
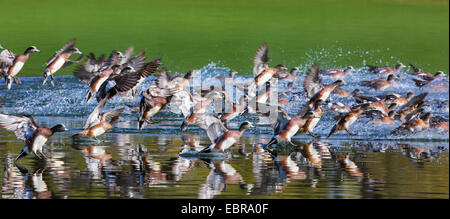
pixel 136 62
pixel 128 53
pixel 150 68
pixel 112 115
pixel 162 78
pixel 260 60
pixel 7 57
pixel 65 48
pixel 70 62
pixel 414 101
pixel 84 76
pixel 183 101
pixel 282 119
pixel 22 125
pixel 312 83
pixel 213 126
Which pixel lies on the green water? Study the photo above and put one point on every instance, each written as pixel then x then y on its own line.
pixel 191 34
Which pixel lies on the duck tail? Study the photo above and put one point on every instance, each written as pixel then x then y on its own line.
pixel 45 76
pixel 82 133
pixel 9 82
pixel 333 130
pixel 89 96
pixel 206 150
pixel 141 124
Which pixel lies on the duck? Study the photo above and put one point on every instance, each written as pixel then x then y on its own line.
pixel 438 122
pixel 337 73
pixel 12 64
pixel 61 59
pixel 223 138
pixel 419 72
pixel 230 76
pixel 287 76
pixel 111 61
pixel 311 123
pixel 199 110
pixel 26 129
pixel 385 70
pixel 423 80
pixel 179 82
pixel 339 107
pixel 415 123
pixel 346 120
pixel 126 82
pixel 356 94
pixel 88 74
pixel 341 93
pixel 379 84
pixel 236 110
pixel 99 123
pixel 413 104
pixel 261 71
pixel 388 119
pixel 151 104
pixel 285 127
pixel 397 98
pixel 5 56
pixel 313 87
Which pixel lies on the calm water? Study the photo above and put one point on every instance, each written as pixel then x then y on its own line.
pixel 145 164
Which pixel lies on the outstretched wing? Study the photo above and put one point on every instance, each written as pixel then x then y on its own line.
pixel 112 115
pixel 83 75
pixel 128 53
pixel 66 47
pixel 312 82
pixel 260 60
pixel 282 119
pixel 7 57
pixel 22 125
pixel 150 68
pixel 162 78
pixel 137 62
pixel 414 101
pixel 70 62
pixel 212 125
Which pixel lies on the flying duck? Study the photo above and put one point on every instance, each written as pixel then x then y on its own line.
pixel 385 70
pixel 346 120
pixel 61 59
pixel 286 127
pixel 12 64
pixel 99 123
pixel 153 101
pixel 27 130
pixel 337 73
pixel 223 138
pixel 379 84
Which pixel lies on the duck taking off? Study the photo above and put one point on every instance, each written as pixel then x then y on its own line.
pixel 61 59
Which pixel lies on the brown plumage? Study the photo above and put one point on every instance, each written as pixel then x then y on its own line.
pixel 27 130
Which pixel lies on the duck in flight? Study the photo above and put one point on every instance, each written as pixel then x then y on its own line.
pixel 27 130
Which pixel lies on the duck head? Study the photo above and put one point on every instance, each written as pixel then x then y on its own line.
pixel 390 77
pixel 245 125
pixel 31 49
pixel 59 128
pixel 338 83
pixel 280 67
pixel 399 66
pixel 75 51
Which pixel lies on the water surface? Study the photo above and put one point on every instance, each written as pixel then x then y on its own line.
pixel 129 163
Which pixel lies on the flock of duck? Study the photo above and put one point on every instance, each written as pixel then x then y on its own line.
pixel 122 74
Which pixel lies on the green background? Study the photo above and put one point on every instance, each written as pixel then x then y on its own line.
pixel 191 34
